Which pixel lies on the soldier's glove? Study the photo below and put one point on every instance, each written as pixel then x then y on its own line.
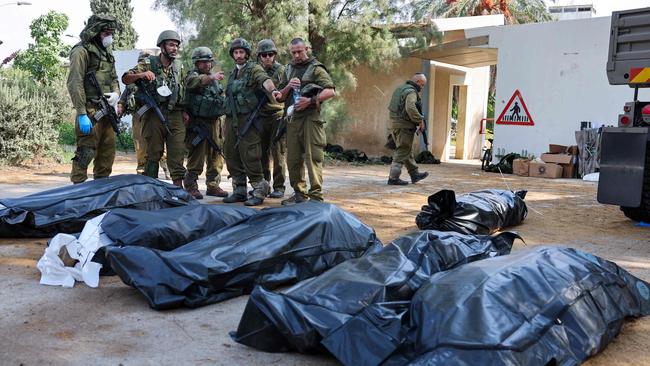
pixel 112 98
pixel 84 124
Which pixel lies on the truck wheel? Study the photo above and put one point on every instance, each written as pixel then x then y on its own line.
pixel 642 213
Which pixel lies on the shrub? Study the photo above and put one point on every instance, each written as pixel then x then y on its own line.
pixel 30 115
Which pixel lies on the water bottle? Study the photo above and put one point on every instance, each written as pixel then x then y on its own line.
pixel 296 95
pixel 296 99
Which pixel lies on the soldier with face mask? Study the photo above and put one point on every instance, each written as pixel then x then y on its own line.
pixel 270 116
pixel 245 92
pixel 95 138
pixel 203 109
pixel 162 79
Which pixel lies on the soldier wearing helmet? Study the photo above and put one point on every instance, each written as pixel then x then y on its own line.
pixel 203 111
pixel 95 137
pixel 162 78
pixel 270 117
pixel 249 86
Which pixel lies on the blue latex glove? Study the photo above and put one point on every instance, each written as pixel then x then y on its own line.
pixel 84 124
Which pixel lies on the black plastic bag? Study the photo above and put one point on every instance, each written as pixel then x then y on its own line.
pixel 277 246
pixel 480 212
pixel 166 229
pixel 66 209
pixel 170 228
pixel 543 306
pixel 426 157
pixel 313 311
pixel 504 165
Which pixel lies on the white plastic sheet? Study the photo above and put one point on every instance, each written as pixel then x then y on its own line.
pixel 54 272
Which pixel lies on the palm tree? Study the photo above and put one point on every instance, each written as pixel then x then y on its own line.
pixel 515 11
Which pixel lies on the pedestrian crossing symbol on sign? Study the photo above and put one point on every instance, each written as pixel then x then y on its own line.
pixel 515 112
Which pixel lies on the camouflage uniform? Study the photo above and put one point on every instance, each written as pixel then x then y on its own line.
pixel 204 104
pixel 270 116
pixel 89 55
pixel 306 130
pixel 244 154
pixel 130 106
pixel 405 119
pixel 172 106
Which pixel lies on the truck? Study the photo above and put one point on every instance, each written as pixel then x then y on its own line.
pixel 625 150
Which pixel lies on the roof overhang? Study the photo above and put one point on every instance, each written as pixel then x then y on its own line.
pixel 468 52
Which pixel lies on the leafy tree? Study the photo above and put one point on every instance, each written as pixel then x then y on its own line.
pixel 126 37
pixel 43 58
pixel 216 24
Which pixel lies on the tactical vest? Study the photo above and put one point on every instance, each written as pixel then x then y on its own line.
pixel 171 80
pixel 241 91
pixel 102 62
pixel 306 75
pixel 207 102
pixel 274 74
pixel 308 86
pixel 398 100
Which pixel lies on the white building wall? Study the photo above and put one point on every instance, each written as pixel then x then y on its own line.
pixel 559 68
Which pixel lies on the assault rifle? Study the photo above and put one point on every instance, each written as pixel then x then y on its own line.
pixel 150 103
pixel 202 133
pixel 281 130
pixel 252 118
pixel 105 108
pixel 418 105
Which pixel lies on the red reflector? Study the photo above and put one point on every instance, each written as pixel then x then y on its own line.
pixel 625 120
pixel 627 108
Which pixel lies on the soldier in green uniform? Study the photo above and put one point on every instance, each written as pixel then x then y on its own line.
pixel 203 108
pixel 244 94
pixel 95 138
pixel 162 77
pixel 305 130
pixel 405 119
pixel 130 105
pixel 270 115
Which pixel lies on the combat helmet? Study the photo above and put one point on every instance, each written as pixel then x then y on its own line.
pixel 240 43
pixel 266 45
pixel 202 54
pixel 168 35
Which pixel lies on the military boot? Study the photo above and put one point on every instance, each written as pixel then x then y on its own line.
pixel 295 199
pixel 260 191
pixel 393 175
pixel 193 189
pixel 216 192
pixel 416 176
pixel 238 190
pixel 277 193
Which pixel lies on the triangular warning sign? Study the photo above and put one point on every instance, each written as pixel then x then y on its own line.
pixel 515 112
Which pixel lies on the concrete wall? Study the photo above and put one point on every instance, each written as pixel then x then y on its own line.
pixel 368 106
pixel 559 68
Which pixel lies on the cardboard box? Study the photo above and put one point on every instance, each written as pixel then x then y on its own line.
pixel 557 158
pixel 520 167
pixel 568 171
pixel 557 149
pixel 544 170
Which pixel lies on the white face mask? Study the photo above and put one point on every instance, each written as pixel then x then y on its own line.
pixel 106 41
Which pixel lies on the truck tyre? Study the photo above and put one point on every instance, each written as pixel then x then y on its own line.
pixel 642 213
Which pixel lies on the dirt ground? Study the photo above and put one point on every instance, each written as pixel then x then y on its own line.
pixel 113 325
